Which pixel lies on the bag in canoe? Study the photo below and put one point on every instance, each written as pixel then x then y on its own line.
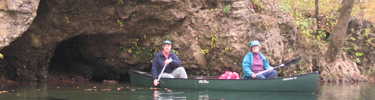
pixel 229 75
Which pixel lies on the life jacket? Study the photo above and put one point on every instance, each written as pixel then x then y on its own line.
pixel 229 75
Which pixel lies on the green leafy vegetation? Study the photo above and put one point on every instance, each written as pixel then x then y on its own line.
pixel 214 36
pixel 144 54
pixel 259 3
pixel 120 2
pixel 226 9
pixel 367 32
pixel 304 10
pixel 175 51
pixel 120 23
pixel 359 54
pixel 212 9
pixel 1 56
pixel 167 37
pixel 205 51
pixel 358 60
pixel 227 49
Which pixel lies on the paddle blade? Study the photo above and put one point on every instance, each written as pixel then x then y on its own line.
pixel 293 61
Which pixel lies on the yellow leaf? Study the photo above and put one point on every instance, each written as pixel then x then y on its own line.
pixel 353 38
pixel 1 56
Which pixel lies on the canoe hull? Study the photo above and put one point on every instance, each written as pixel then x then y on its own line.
pixel 306 83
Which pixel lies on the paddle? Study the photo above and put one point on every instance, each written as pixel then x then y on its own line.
pixel 162 72
pixel 285 64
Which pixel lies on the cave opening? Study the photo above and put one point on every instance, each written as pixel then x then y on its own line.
pixel 68 62
pixel 78 59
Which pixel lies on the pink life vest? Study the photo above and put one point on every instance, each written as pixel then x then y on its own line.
pixel 229 75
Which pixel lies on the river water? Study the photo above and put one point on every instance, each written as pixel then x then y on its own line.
pixel 116 91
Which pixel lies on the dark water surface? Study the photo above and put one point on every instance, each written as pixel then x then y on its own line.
pixel 103 91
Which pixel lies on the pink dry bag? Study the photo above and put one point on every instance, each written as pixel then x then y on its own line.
pixel 229 75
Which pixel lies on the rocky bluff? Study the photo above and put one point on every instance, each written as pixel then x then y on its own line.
pixel 104 39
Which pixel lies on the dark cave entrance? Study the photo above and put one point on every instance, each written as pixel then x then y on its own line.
pixel 75 59
pixel 68 62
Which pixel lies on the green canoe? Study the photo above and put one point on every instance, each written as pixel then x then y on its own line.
pixel 305 83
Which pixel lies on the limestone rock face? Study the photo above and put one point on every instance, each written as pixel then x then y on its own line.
pixel 15 17
pixel 104 39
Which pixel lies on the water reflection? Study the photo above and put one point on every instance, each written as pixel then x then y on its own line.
pixel 99 91
pixel 156 94
pixel 82 91
pixel 230 95
pixel 347 91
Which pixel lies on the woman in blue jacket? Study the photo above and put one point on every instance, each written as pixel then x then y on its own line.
pixel 255 62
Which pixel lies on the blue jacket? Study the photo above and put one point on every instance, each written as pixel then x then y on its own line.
pixel 158 64
pixel 248 63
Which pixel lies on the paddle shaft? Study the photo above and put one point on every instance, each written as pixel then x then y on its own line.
pixel 162 71
pixel 282 65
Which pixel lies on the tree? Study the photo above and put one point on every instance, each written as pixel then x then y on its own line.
pixel 336 66
pixel 317 15
pixel 335 45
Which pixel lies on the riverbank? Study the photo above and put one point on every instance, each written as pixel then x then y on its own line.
pixel 3 81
